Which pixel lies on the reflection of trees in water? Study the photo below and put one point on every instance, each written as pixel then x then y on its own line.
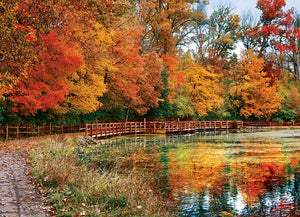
pixel 260 176
pixel 210 178
pixel 278 202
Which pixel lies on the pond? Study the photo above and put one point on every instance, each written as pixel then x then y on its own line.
pixel 212 173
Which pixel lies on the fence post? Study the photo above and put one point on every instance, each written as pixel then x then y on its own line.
pixel 145 127
pixel 96 129
pixel 50 130
pixel 17 130
pixel 38 130
pixel 180 125
pixel 86 129
pixel 6 136
pixel 92 130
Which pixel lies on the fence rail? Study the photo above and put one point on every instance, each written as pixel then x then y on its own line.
pixel 18 131
pixel 102 130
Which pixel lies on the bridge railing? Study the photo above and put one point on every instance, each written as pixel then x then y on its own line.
pixel 101 130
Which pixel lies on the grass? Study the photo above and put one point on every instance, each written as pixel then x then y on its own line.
pixel 76 188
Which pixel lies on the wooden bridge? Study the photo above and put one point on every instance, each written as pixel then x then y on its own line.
pixel 104 130
pixel 101 130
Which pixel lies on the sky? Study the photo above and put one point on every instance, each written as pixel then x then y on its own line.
pixel 243 6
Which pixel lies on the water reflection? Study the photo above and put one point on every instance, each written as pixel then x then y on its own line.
pixel 212 173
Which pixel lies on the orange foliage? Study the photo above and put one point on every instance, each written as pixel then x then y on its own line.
pixel 252 92
pixel 42 85
pixel 135 80
pixel 293 100
pixel 176 77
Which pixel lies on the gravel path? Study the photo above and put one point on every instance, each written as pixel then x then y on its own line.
pixel 18 196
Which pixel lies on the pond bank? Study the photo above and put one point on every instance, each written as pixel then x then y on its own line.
pixel 77 188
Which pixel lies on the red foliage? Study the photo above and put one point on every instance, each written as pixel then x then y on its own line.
pixel 275 27
pixel 272 72
pixel 294 161
pixel 42 85
pixel 270 8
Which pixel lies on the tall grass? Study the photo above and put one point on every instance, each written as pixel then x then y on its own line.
pixel 77 189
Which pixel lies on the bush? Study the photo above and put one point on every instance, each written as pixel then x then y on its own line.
pixel 284 114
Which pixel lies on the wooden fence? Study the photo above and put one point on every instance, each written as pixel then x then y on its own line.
pixel 18 131
pixel 103 130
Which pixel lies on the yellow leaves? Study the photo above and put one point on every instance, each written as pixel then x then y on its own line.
pixel 6 82
pixel 84 91
pixel 203 89
pixel 226 39
pixel 87 84
pixel 251 92
pixel 95 32
pixel 235 21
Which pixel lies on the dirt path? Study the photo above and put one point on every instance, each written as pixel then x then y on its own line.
pixel 18 196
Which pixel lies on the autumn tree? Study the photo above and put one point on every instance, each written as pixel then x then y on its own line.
pixel 43 85
pixel 215 39
pixel 202 87
pixel 87 84
pixel 37 58
pixel 134 82
pixel 16 50
pixel 273 31
pixel 294 56
pixel 167 26
pixel 251 93
pixel 167 23
pixel 290 110
pixel 220 33
pixel 75 24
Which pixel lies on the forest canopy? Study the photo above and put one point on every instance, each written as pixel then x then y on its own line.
pixel 76 61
